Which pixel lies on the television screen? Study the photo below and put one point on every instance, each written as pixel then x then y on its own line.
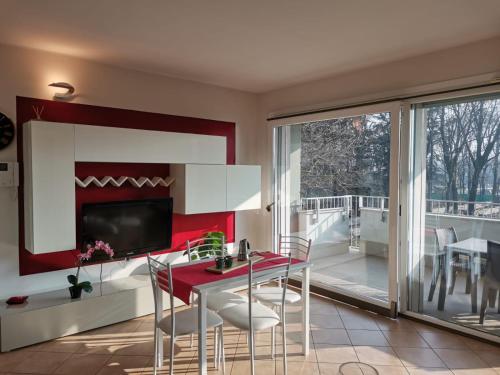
pixel 130 227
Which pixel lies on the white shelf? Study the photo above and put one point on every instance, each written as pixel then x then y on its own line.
pixel 119 181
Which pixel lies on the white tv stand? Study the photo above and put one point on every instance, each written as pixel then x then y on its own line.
pixel 50 315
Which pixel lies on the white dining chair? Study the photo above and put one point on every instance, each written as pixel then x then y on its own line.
pixel 220 300
pixel 180 323
pixel 251 316
pixel 296 247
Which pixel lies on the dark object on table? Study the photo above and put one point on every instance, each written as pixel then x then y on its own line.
pixel 219 263
pixel 16 300
pixel 228 261
pixel 491 280
pixel 243 250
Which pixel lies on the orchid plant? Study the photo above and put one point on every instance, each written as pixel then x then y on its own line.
pixel 77 287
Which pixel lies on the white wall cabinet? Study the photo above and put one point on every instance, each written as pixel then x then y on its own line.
pixel 243 187
pixel 49 187
pixel 120 145
pixel 200 188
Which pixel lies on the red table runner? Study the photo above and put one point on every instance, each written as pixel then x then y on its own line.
pixel 184 278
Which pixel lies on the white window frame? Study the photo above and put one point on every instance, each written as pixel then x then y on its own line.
pixel 412 138
pixel 394 107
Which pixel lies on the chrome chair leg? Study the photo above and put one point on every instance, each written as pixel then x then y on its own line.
pixel 251 347
pixel 273 341
pixel 155 362
pixel 172 351
pixel 222 354
pixel 216 348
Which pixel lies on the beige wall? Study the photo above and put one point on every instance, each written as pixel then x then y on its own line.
pixel 26 72
pixel 396 78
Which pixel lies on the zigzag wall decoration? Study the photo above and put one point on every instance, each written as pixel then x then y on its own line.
pixel 138 183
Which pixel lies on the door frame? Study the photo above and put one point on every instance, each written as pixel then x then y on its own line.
pixel 413 142
pixel 394 108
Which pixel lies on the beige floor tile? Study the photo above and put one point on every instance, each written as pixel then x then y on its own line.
pixel 40 363
pixel 443 340
pixel 335 353
pixel 419 357
pixel 456 359
pixel 360 369
pixel 145 348
pixel 293 337
pixel 475 371
pixel 423 327
pixel 428 371
pixel 113 343
pixel 181 366
pixel 293 317
pixel 130 365
pixel 345 309
pixel 480 346
pixel 211 369
pixel 391 370
pixel 387 324
pixel 491 357
pixel 297 368
pixel 326 321
pixel 261 367
pixel 9 360
pixel 323 309
pixel 377 355
pixel 332 369
pixel 359 322
pixel 83 364
pixel 330 336
pixel 405 339
pixel 294 353
pixel 69 344
pixel 366 337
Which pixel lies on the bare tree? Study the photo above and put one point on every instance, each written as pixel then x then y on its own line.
pixel 453 123
pixel 485 133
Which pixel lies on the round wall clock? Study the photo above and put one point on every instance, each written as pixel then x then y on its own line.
pixel 7 131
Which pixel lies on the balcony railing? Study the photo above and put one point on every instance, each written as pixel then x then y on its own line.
pixel 351 203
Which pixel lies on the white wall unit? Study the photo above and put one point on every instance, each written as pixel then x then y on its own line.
pixel 243 187
pixel 53 314
pixel 119 145
pixel 49 187
pixel 51 149
pixel 198 188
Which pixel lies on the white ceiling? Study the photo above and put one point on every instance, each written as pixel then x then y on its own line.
pixel 251 45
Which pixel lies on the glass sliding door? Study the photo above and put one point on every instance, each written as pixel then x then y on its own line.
pixel 336 183
pixel 454 252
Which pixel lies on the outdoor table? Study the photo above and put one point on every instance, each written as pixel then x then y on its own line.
pixel 474 248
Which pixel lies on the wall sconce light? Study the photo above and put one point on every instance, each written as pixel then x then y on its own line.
pixel 70 90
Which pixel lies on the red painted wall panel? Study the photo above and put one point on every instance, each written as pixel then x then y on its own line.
pixel 184 226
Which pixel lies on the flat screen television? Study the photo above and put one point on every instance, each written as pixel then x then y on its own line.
pixel 130 227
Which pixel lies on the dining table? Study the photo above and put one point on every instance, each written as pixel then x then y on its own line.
pixel 473 247
pixel 193 278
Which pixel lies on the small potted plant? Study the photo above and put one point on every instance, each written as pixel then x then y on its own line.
pixel 76 287
pixel 212 246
